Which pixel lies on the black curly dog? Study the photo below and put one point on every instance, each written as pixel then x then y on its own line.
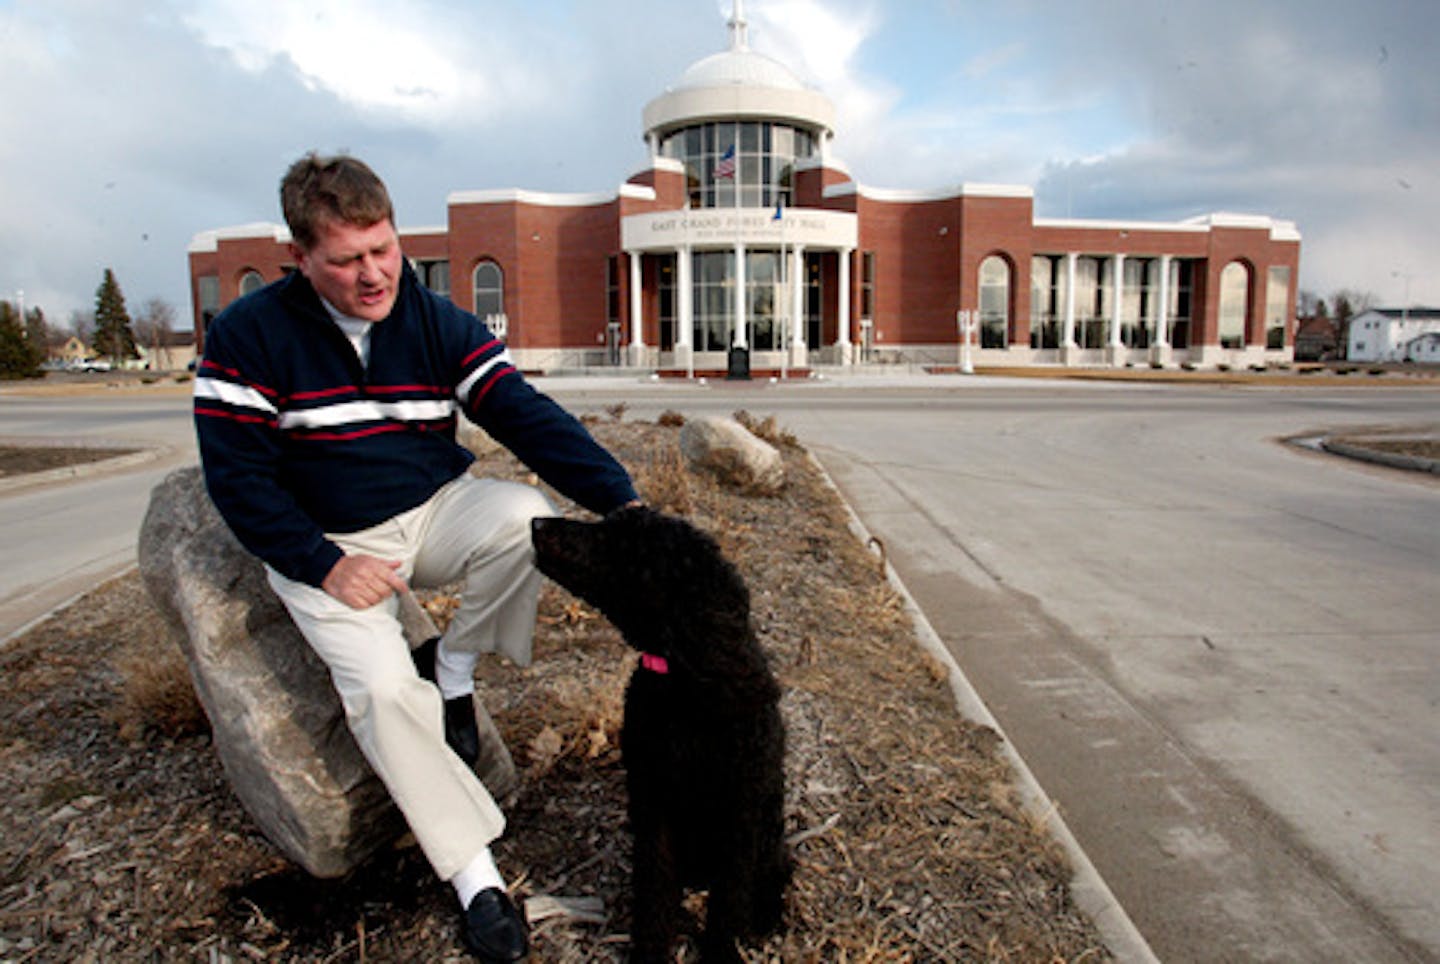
pixel 703 742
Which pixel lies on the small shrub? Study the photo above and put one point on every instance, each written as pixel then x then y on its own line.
pixel 156 694
pixel 664 481
pixel 671 419
pixel 767 430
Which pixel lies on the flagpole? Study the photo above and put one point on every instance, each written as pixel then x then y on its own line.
pixel 742 310
pixel 784 314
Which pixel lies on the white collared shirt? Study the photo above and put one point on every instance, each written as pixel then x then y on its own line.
pixel 355 329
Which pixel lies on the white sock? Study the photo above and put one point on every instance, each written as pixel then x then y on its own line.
pixel 479 874
pixel 454 672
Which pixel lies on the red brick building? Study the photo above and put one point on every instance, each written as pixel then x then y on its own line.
pixel 743 195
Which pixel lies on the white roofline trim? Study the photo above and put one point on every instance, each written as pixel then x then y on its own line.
pixel 208 241
pixel 542 198
pixel 1279 230
pixel 823 162
pixel 932 194
pixel 1100 224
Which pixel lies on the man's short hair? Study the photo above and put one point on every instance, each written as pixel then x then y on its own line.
pixel 317 189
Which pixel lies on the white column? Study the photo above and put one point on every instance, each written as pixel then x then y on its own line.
pixel 798 355
pixel 637 329
pixel 1117 306
pixel 740 339
pixel 1162 310
pixel 685 299
pixel 842 328
pixel 684 310
pixel 797 295
pixel 1067 333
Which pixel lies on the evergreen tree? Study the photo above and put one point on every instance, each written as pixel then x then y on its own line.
pixel 113 336
pixel 37 331
pixel 17 358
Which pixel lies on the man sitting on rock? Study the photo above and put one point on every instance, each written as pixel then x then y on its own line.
pixel 326 409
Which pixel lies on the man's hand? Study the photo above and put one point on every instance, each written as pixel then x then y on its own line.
pixel 362 581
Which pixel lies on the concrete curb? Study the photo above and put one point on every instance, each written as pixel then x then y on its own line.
pixel 1394 460
pixel 1092 895
pixel 124 570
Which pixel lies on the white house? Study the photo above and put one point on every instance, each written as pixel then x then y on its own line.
pixel 1395 335
pixel 1424 349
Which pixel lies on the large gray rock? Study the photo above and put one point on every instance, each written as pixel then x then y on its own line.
pixel 733 454
pixel 278 725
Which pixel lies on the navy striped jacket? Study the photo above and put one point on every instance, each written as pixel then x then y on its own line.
pixel 297 438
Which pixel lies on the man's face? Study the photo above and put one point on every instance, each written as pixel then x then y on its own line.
pixel 355 269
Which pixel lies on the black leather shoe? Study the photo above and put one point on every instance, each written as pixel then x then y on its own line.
pixel 493 930
pixel 461 733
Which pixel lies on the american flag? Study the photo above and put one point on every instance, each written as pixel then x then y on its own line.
pixel 725 167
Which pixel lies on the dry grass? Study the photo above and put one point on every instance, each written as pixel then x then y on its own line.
pixel 156 694
pixel 119 839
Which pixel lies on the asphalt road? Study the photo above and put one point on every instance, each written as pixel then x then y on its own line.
pixel 63 536
pixel 1217 653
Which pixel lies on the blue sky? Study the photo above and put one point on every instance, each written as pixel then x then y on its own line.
pixel 122 134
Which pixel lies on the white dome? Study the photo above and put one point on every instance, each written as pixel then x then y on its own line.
pixel 738 67
pixel 738 84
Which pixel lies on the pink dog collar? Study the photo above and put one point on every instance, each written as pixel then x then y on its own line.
pixel 655 664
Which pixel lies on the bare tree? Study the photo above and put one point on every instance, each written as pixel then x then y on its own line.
pixel 153 330
pixel 82 324
pixel 1348 303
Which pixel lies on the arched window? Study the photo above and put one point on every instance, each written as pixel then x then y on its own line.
pixel 1234 304
pixel 489 292
pixel 250 281
pixel 994 302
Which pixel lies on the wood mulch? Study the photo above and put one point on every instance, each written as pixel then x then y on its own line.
pixel 121 841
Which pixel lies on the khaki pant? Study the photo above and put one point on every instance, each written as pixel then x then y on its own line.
pixel 472 531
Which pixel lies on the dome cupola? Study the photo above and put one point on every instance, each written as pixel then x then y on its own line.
pixel 738 84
